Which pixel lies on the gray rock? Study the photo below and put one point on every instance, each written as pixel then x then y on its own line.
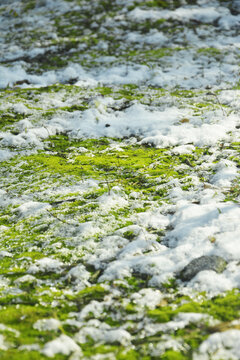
pixel 235 7
pixel 213 262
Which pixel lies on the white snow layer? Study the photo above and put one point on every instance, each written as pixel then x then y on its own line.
pixel 209 227
pixel 160 128
pixel 62 345
pixel 193 228
pixel 225 345
pixel 45 265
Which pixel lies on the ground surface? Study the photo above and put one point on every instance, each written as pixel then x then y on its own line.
pixel 119 181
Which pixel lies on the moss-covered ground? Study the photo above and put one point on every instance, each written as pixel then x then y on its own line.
pixel 70 202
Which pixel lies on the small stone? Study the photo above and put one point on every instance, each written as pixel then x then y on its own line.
pixel 213 262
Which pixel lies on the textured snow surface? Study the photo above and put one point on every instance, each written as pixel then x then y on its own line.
pixel 62 345
pixel 224 345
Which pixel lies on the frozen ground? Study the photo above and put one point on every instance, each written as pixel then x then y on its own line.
pixel 119 197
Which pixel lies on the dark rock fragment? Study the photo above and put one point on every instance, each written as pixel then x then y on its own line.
pixel 213 262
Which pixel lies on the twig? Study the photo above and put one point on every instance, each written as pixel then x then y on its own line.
pixel 63 221
pixel 223 111
pixel 109 189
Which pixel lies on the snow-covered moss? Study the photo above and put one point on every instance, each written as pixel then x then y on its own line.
pixel 119 150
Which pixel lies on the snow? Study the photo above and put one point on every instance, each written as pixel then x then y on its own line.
pixel 154 37
pixel 153 219
pixel 78 275
pixel 205 14
pixel 186 96
pixel 225 345
pixel 45 265
pixel 194 225
pixel 62 345
pixel 103 334
pixel 31 208
pixel 226 171
pixel 47 324
pixel 5 254
pixel 167 343
pixel 3 345
pixel 147 297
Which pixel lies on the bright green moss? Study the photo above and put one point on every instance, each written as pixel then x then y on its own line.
pixel 75 108
pixel 15 354
pixel 173 355
pixel 224 307
pixel 131 168
pixel 162 315
pixel 105 91
pixel 164 4
pixel 129 235
pixel 12 315
pixel 131 309
pixel 129 355
pixel 96 292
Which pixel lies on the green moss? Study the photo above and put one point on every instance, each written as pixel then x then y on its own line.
pixel 129 355
pixel 13 316
pixel 75 108
pixel 158 3
pixel 30 5
pixel 142 169
pixel 148 57
pixel 96 292
pixel 223 307
pixel 129 235
pixel 164 4
pixel 105 91
pixel 162 315
pixel 15 354
pixel 233 193
pixel 213 52
pixel 130 168
pixel 25 298
pixel 131 309
pixel 134 284
pixel 9 118
pixel 173 355
pixel 170 284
